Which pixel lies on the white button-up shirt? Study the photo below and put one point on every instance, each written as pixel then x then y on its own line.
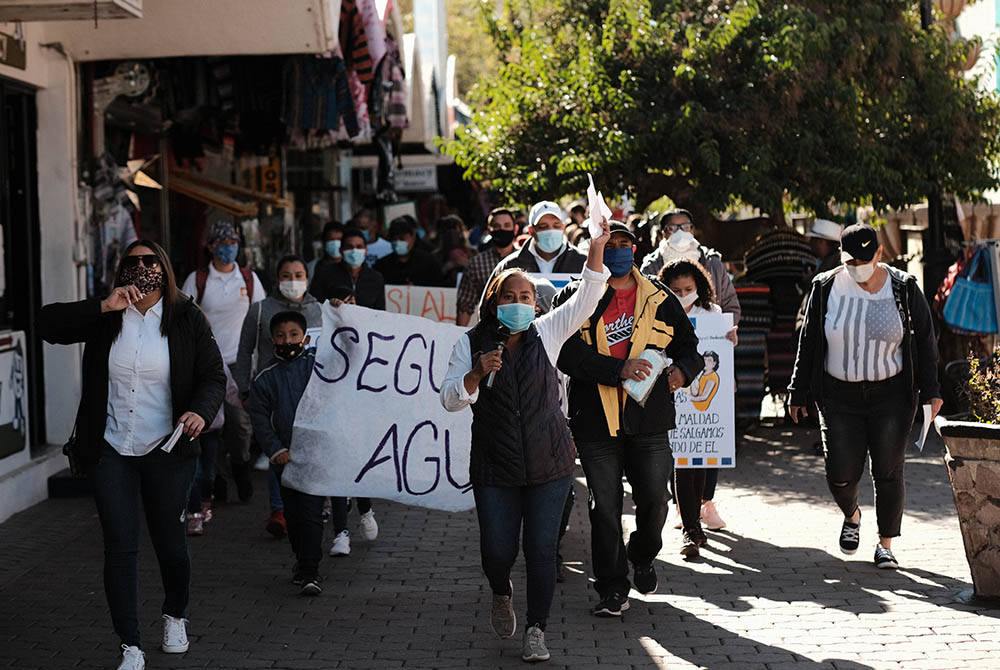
pixel 545 266
pixel 225 304
pixel 140 411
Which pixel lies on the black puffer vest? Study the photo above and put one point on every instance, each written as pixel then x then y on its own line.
pixel 520 436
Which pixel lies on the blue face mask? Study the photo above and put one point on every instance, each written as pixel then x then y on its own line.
pixel 516 316
pixel 619 261
pixel 332 248
pixel 368 236
pixel 401 247
pixel 355 257
pixel 550 241
pixel 421 233
pixel 226 253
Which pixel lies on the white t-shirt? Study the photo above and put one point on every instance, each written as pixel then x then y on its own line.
pixel 225 304
pixel 699 311
pixel 377 250
pixel 545 266
pixel 864 332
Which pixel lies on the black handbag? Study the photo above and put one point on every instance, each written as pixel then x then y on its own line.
pixel 72 451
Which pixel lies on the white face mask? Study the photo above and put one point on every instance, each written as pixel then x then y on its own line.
pixel 293 290
pixel 688 300
pixel 680 245
pixel 861 273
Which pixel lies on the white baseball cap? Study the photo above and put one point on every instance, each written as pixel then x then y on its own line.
pixel 825 230
pixel 540 209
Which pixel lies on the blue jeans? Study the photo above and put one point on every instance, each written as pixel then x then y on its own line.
pixel 647 461
pixel 501 511
pixel 274 489
pixel 160 482
pixel 338 511
pixel 204 476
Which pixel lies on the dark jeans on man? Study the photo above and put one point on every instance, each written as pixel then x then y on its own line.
pixel 647 461
pixel 339 508
pixel 160 481
pixel 204 476
pixel 304 520
pixel 862 419
pixel 501 511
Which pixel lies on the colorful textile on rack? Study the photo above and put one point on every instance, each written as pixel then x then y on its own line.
pixel 354 41
pixel 374 30
pixel 387 98
pixel 317 95
pixel 750 356
pixel 779 254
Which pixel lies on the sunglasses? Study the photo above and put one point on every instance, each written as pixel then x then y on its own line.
pixel 674 227
pixel 148 260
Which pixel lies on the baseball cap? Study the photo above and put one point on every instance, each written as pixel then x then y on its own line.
pixel 542 208
pixel 859 242
pixel 222 230
pixel 825 229
pixel 619 227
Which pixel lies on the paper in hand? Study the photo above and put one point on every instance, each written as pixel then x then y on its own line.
pixel 168 446
pixel 599 209
pixel 923 429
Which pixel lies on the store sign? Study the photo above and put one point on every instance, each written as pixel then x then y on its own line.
pixel 416 178
pixel 12 52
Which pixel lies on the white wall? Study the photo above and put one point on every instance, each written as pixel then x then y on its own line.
pixel 981 20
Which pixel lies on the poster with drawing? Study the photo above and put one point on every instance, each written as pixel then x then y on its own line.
pixel 705 436
pixel 13 394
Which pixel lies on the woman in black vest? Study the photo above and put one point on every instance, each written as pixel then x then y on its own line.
pixel 150 364
pixel 522 454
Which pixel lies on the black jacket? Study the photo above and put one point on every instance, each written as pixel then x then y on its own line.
pixel 334 281
pixel 594 374
pixel 571 260
pixel 197 381
pixel 420 269
pixel 920 352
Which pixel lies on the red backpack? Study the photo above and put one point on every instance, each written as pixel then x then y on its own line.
pixel 201 278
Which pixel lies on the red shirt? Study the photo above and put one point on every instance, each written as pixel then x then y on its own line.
pixel 619 319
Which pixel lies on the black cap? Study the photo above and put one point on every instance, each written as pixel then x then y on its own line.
pixel 619 227
pixel 859 241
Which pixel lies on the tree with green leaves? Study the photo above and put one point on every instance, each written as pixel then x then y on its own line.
pixel 821 104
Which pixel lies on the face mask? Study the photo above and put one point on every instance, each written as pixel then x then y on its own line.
pixel 287 352
pixel 421 233
pixel 367 235
pixel 619 261
pixel 226 253
pixel 680 245
pixel 355 257
pixel 688 300
pixel 317 248
pixel 516 316
pixel 861 273
pixel 145 279
pixel 502 238
pixel 293 290
pixel 550 241
pixel 332 248
pixel 401 247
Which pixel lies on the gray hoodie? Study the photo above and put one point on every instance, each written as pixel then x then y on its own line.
pixel 256 333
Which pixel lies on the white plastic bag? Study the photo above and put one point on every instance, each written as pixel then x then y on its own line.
pixel 639 389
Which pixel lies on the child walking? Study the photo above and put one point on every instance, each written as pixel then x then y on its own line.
pixel 274 397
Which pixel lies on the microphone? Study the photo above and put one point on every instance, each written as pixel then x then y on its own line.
pixel 493 373
pixel 503 334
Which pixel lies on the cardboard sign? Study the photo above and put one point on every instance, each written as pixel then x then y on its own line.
pixel 705 436
pixel 430 302
pixel 370 422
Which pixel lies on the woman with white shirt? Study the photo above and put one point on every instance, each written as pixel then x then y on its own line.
pixel 694 488
pixel 522 454
pixel 150 365
pixel 868 354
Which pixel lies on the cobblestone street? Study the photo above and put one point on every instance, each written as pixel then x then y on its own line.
pixel 772 590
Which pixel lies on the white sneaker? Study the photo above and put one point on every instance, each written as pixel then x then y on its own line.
pixel 369 527
pixel 341 544
pixel 710 516
pixel 262 464
pixel 175 638
pixel 132 658
pixel 534 646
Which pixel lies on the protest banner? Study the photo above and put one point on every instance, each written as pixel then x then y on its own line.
pixel 430 302
pixel 705 436
pixel 370 422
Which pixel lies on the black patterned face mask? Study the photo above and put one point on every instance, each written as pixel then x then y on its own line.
pixel 145 279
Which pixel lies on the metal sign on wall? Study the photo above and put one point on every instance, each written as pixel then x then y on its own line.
pixel 416 178
pixel 12 51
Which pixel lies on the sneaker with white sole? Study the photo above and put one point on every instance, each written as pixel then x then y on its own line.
pixel 175 638
pixel 612 605
pixel 262 464
pixel 195 524
pixel 132 658
pixel 341 544
pixel 534 649
pixel 369 527
pixel 850 536
pixel 884 558
pixel 675 520
pixel 710 517
pixel 502 617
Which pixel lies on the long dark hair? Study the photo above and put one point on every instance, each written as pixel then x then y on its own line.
pixel 171 295
pixel 702 281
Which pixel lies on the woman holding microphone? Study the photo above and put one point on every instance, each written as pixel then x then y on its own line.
pixel 522 454
pixel 150 365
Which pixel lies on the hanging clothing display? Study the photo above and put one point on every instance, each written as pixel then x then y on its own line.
pixel 110 238
pixel 354 41
pixel 387 98
pixel 317 95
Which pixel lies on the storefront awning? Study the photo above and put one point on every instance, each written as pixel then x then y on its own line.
pixel 69 10
pixel 235 200
pixel 170 28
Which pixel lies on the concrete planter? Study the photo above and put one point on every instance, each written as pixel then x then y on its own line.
pixel 973 460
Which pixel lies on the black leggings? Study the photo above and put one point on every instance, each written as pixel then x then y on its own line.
pixel 689 484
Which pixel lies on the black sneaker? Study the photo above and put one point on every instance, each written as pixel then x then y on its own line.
pixel 296 577
pixel 884 558
pixel 311 586
pixel 850 536
pixel 613 605
pixel 242 475
pixel 644 578
pixel 689 543
pixel 698 535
